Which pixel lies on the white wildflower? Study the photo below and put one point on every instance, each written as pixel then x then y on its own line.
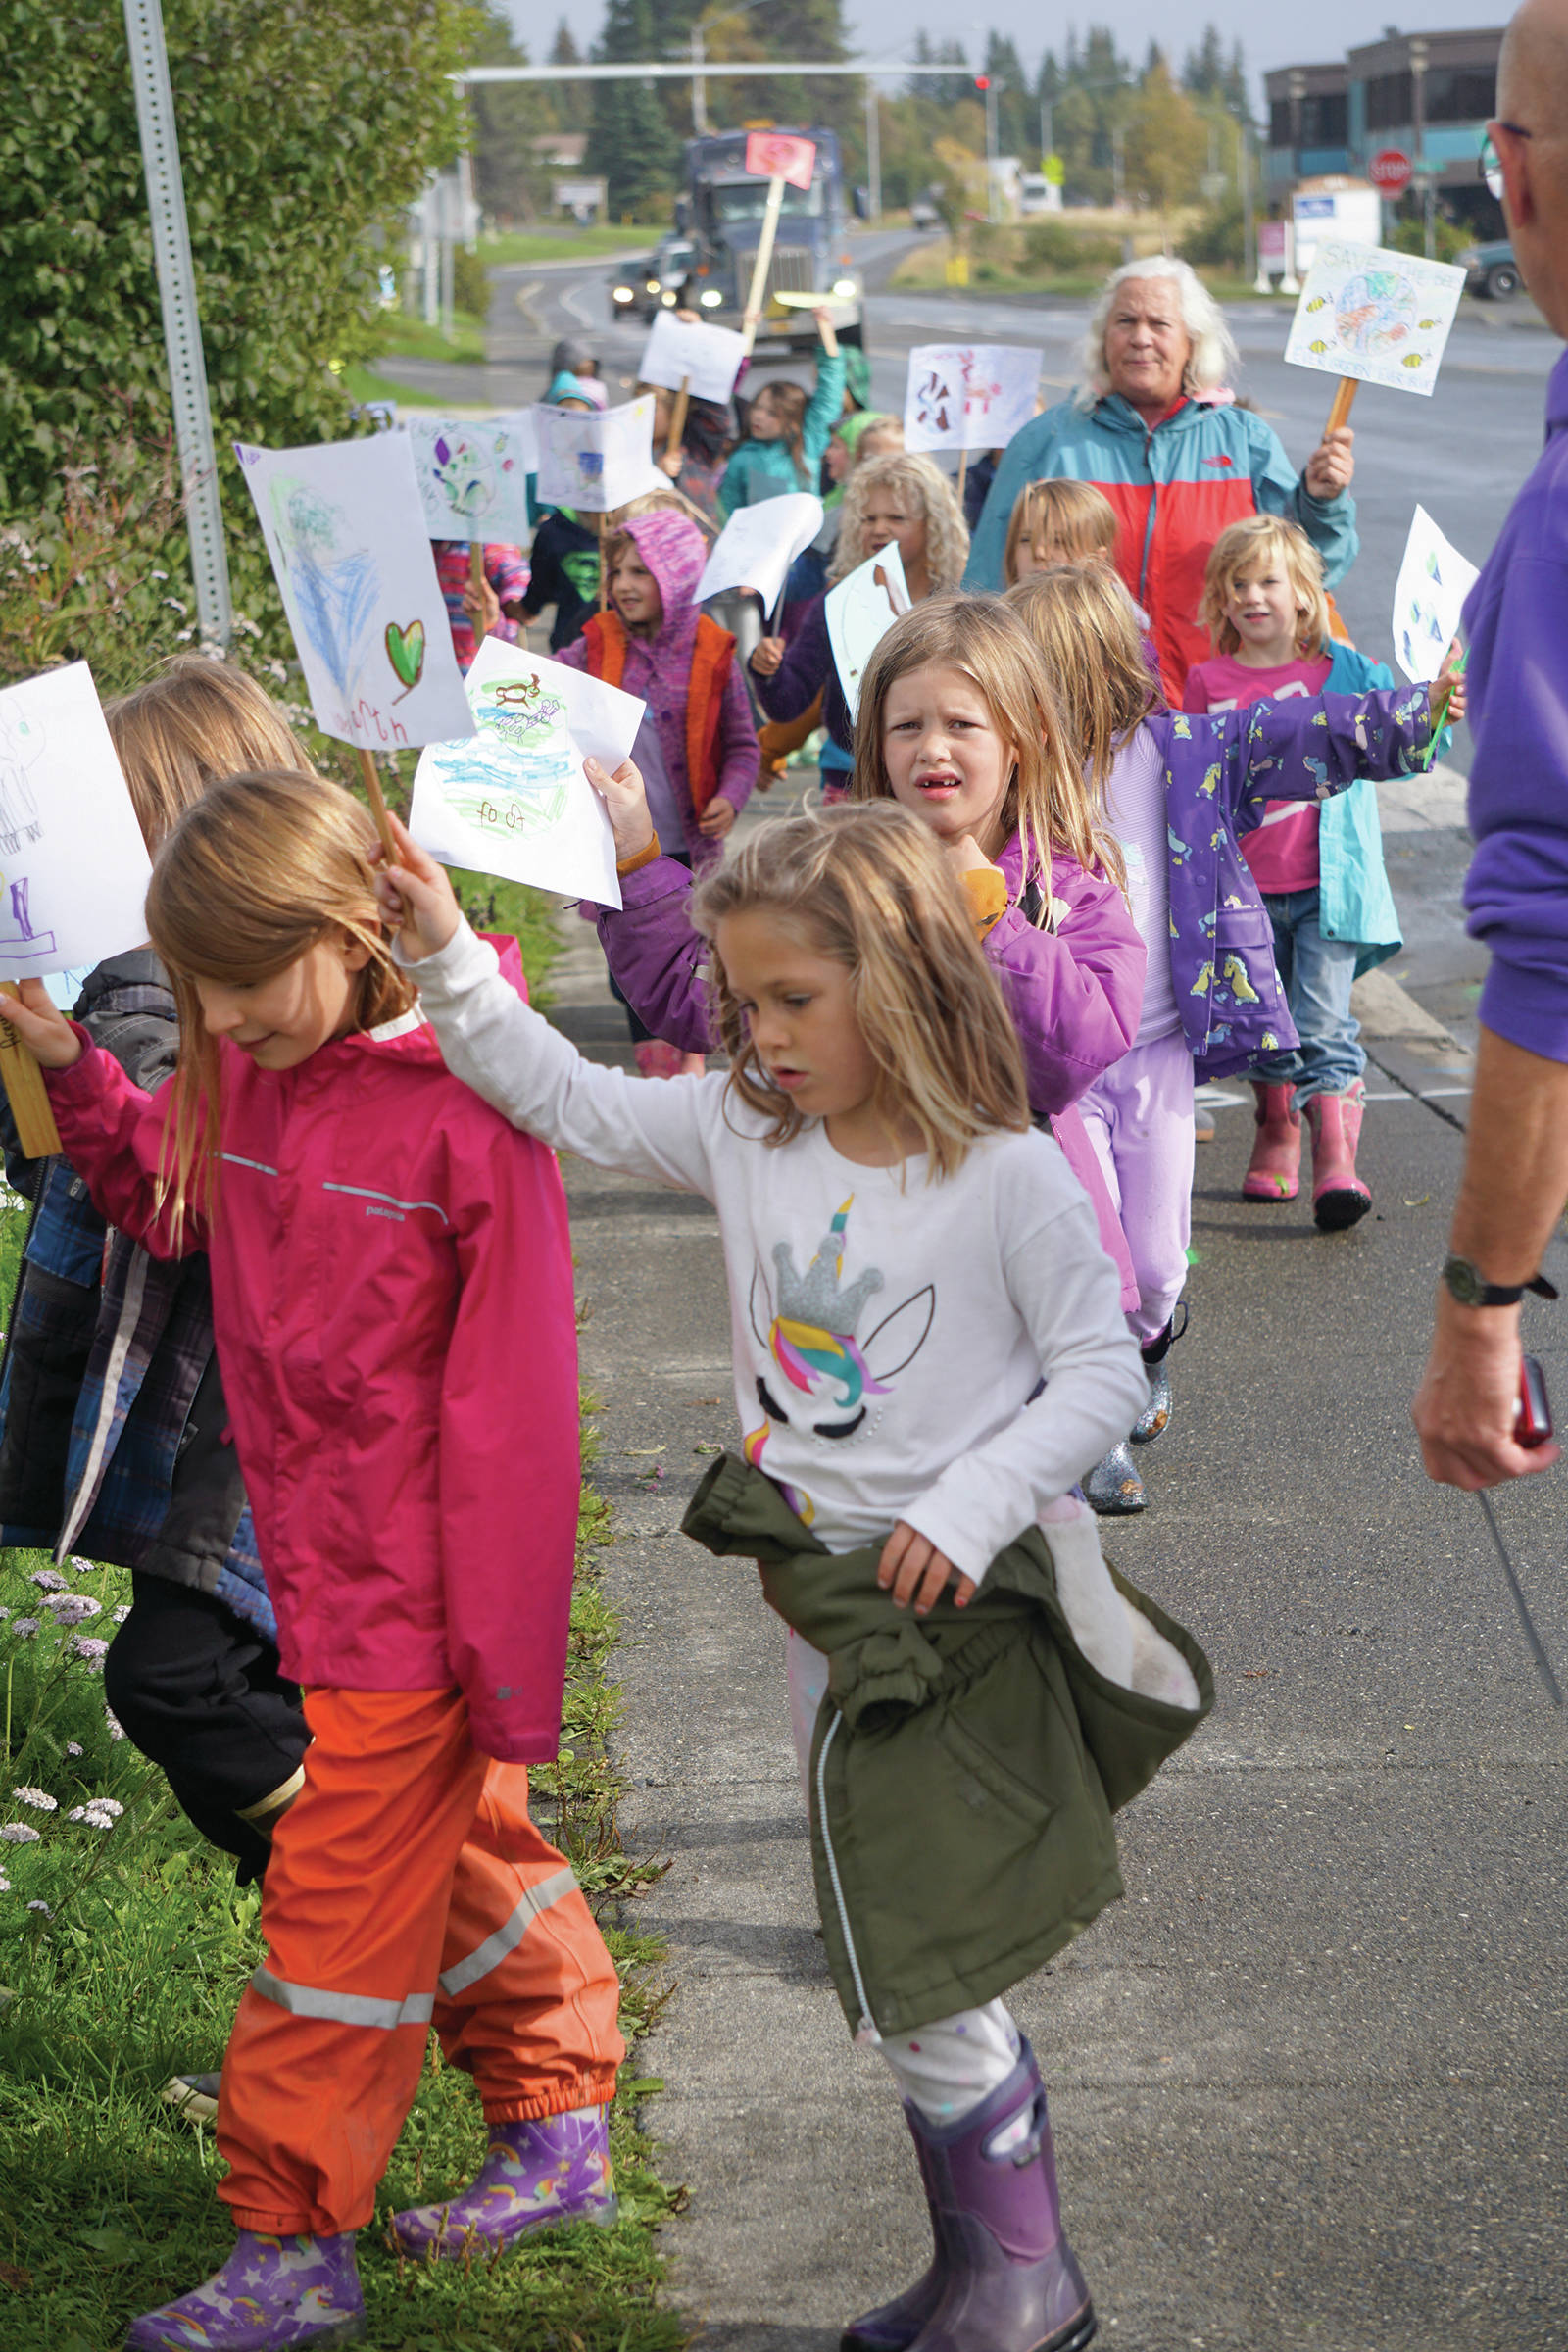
pixel 19 1833
pixel 82 1567
pixel 72 1747
pixel 116 1730
pixel 25 1627
pixel 106 1804
pixel 122 1612
pixel 44 1907
pixel 5 1884
pixel 40 1799
pixel 47 1580
pixel 4 1614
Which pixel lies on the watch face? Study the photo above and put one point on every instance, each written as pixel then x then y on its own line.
pixel 1463 1281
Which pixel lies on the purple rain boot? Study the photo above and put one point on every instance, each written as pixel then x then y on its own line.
pixel 1013 2285
pixel 272 2294
pixel 894 2325
pixel 535 2176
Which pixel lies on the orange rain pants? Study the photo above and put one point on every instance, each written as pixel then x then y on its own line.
pixel 407 1888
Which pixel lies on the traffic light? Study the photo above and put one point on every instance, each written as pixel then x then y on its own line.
pixel 982 81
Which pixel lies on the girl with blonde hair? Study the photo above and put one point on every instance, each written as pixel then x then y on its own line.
pixel 380 1245
pixel 1179 792
pixel 1058 522
pixel 927 1354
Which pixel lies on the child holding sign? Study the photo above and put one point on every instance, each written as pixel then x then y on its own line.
pixel 786 434
pixel 1320 870
pixel 380 1243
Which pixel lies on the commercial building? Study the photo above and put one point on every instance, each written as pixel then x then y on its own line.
pixel 1430 96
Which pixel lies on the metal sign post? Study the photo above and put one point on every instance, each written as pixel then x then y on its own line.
pixel 182 332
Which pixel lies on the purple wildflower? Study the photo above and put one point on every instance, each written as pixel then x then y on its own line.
pixel 47 1580
pixel 72 1609
pixel 25 1627
pixel 91 1651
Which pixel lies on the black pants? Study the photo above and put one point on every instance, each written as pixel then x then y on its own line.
pixel 201 1693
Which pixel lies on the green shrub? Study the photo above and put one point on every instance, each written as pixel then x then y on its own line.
pixel 1052 245
pixel 1410 236
pixel 470 284
pixel 1217 239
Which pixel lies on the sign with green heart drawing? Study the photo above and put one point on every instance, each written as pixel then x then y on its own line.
pixel 346 531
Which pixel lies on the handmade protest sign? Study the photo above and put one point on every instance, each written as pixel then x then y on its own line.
pixel 512 798
pixel 758 544
pixel 1428 598
pixel 705 358
pixel 596 459
pixel 74 868
pixel 779 155
pixel 473 474
pixel 345 529
pixel 860 611
pixel 1372 317
pixel 968 395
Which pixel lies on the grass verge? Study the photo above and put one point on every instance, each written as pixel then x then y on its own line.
pixel 510 245
pixel 123 1947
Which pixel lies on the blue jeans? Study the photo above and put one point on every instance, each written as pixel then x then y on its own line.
pixel 1315 974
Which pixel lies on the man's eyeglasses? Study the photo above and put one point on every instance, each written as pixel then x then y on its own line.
pixel 1491 166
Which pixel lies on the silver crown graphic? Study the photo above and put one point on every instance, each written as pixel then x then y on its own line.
pixel 816 1296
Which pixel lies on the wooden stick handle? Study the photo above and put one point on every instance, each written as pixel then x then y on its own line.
pixel 604 584
pixel 372 785
pixel 1340 413
pixel 963 473
pixel 752 318
pixel 25 1091
pixel 677 416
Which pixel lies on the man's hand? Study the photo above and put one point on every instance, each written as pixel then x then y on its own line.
pixel 1332 465
pixel 767 655
pixel 39 1023
pixel 914 1569
pixel 418 899
pixel 717 818
pixel 626 802
pixel 1468 1402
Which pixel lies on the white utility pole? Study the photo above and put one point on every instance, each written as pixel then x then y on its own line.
pixel 699 86
pixel 182 327
pixel 873 152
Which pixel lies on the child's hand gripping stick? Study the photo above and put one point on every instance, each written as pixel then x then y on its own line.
pixel 1448 697
pixel 416 897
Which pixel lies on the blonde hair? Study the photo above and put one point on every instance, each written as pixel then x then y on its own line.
pixel 1212 358
pixel 196 720
pixel 787 400
pixel 1266 539
pixel 255 874
pixel 929 492
pixel 1047 802
pixel 1080 518
pixel 1082 621
pixel 869 888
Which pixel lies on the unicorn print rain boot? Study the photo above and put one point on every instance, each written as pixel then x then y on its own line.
pixel 1339 1196
pixel 894 2325
pixel 271 2294
pixel 1155 1419
pixel 1013 2283
pixel 1273 1171
pixel 1114 1486
pixel 535 2176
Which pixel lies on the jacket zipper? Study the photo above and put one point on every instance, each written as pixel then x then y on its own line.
pixel 865 2030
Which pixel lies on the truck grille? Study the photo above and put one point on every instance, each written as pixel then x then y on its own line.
pixel 790 270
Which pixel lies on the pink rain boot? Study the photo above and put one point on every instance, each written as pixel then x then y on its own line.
pixel 655 1060
pixel 534 2177
pixel 1272 1171
pixel 1338 1197
pixel 271 2295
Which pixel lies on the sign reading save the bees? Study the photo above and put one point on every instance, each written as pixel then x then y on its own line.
pixel 1377 316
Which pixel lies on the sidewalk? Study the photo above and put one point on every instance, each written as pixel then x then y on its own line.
pixel 1308 2078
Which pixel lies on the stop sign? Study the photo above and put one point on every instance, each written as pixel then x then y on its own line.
pixel 1389 170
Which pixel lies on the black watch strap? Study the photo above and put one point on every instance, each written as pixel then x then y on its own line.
pixel 1469 1285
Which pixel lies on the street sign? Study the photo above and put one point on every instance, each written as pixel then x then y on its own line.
pixel 1054 171
pixel 1389 170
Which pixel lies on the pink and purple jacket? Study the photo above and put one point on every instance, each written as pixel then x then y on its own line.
pixel 1074 990
pixel 659 671
pixel 392 1297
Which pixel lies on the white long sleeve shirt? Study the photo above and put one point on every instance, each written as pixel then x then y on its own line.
pixel 888 1334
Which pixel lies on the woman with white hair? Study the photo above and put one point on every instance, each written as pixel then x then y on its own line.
pixel 1153 426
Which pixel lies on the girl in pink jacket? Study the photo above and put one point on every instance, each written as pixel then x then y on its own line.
pixel 380 1243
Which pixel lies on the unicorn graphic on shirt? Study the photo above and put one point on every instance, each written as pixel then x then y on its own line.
pixel 826 1375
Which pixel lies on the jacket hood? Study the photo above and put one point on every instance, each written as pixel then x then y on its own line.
pixel 674 550
pixel 409 1035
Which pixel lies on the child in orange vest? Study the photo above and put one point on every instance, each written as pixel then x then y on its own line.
pixel 697 746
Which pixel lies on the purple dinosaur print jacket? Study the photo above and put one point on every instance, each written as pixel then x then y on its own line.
pixel 1221 767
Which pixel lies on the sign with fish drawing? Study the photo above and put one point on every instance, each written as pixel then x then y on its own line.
pixel 473 474
pixel 511 798
pixel 1375 316
pixel 346 533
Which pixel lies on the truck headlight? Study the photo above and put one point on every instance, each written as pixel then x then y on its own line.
pixel 668 301
pixel 846 289
pixel 622 294
pixel 710 298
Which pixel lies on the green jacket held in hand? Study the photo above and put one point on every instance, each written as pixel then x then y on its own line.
pixel 966 1765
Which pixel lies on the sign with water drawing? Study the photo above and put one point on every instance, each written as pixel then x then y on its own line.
pixel 1376 317
pixel 512 799
pixel 596 459
pixel 706 359
pixel 473 474
pixel 346 532
pixel 968 395
pixel 860 611
pixel 74 868
pixel 1428 598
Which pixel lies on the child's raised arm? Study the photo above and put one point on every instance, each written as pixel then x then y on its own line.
pixel 1296 747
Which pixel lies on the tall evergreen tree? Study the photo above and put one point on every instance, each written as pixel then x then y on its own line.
pixel 572 102
pixel 1203 72
pixel 631 141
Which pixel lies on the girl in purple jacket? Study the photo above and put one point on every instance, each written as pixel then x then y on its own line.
pixel 1178 790
pixel 1013 814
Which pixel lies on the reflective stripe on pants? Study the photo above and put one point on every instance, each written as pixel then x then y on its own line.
pixel 407 1887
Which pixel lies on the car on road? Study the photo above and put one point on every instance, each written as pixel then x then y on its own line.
pixel 652 281
pixel 1490 271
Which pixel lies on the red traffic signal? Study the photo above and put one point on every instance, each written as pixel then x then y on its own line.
pixel 982 81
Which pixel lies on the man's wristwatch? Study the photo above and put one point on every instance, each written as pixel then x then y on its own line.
pixel 1467 1284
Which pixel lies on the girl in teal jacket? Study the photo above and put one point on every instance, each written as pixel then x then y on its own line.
pixel 787 434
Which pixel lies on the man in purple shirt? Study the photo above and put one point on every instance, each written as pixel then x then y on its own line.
pixel 1516 622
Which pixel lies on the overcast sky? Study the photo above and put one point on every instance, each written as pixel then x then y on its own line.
pixel 1270 35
